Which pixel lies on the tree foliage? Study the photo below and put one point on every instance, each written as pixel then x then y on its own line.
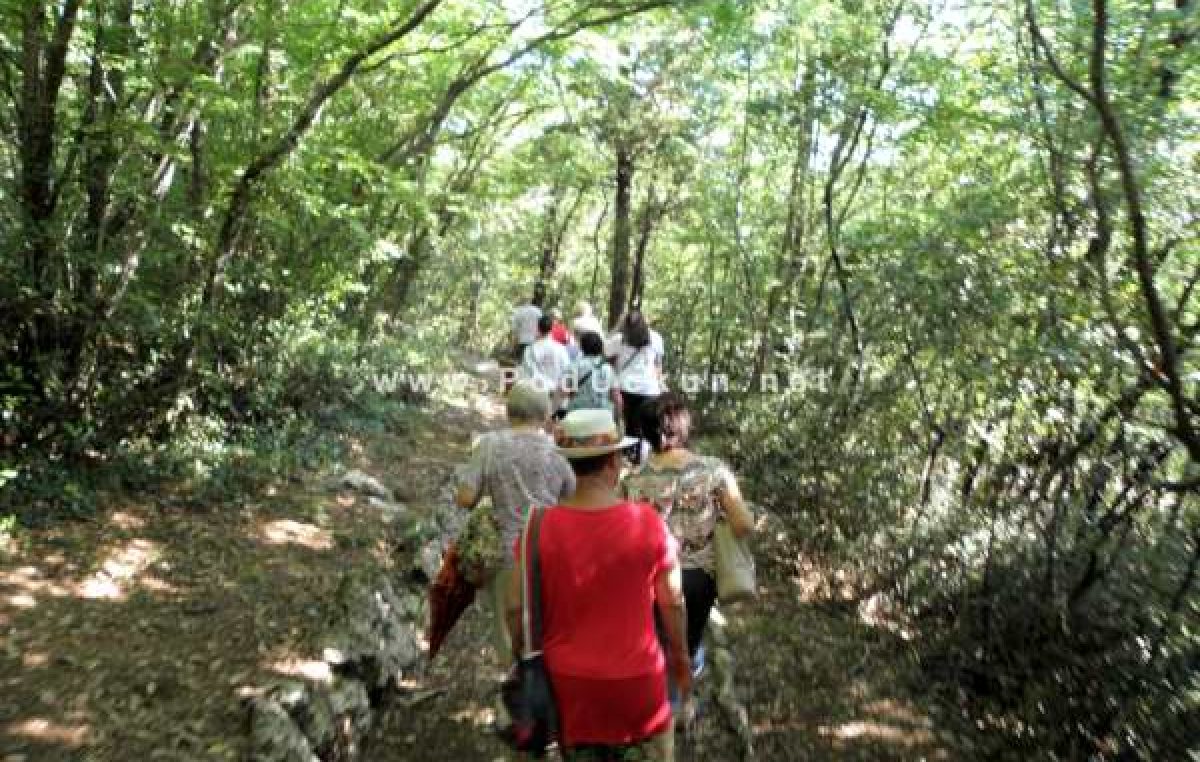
pixel 931 271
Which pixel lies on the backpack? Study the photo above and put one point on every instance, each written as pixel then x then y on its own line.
pixel 590 390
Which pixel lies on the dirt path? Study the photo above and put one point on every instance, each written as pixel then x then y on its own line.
pixel 818 682
pixel 135 636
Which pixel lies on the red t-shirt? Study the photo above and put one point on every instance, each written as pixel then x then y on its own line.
pixel 559 333
pixel 598 574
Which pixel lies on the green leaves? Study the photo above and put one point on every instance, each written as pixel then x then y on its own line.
pixel 907 203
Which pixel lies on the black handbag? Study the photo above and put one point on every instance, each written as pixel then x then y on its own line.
pixel 526 692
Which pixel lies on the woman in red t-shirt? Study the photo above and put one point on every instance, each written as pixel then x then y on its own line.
pixel 604 561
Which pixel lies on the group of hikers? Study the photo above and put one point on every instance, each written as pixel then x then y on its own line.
pixel 582 369
pixel 624 542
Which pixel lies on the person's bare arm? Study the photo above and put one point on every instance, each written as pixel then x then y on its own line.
pixel 740 519
pixel 668 593
pixel 470 483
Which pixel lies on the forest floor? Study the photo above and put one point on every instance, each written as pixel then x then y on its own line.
pixel 136 635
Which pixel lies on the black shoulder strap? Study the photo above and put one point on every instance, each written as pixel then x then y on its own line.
pixel 583 380
pixel 595 366
pixel 629 359
pixel 535 580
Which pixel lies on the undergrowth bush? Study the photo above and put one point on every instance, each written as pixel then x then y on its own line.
pixel 1047 575
pixel 280 414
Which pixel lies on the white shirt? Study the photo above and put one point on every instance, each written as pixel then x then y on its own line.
pixel 586 324
pixel 524 323
pixel 545 362
pixel 638 367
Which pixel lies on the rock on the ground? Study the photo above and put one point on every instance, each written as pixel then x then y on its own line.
pixel 375 643
pixel 429 559
pixel 350 708
pixel 274 735
pixel 296 722
pixel 391 513
pixel 366 484
pixel 376 640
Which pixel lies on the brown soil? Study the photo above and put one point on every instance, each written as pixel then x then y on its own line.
pixel 136 635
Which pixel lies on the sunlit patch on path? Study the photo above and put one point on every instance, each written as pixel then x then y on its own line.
pixel 290 532
pixel 46 730
pixel 122 569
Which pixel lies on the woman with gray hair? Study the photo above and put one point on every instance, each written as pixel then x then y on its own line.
pixel 516 467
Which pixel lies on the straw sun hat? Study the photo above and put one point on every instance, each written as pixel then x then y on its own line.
pixel 588 433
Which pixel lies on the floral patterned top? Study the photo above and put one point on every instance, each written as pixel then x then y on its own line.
pixel 686 496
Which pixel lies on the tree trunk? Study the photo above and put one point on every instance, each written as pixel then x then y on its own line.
pixel 622 232
pixel 793 256
pixel 106 90
pixel 550 241
pixel 43 65
pixel 652 212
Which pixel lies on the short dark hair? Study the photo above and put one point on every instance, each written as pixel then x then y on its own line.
pixel 592 465
pixel 545 323
pixel 592 344
pixel 635 331
pixel 666 422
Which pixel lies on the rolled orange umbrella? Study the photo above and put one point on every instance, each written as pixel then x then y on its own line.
pixel 449 596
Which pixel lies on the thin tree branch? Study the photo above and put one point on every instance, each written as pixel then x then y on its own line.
pixel 1186 296
pixel 1040 42
pixel 239 201
pixel 1162 331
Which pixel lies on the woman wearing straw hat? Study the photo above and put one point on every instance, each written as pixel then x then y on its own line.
pixel 604 562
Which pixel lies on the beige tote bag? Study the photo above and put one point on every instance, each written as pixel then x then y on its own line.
pixel 736 579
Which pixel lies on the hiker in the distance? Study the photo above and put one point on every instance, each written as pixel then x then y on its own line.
pixel 606 564
pixel 592 381
pixel 585 321
pixel 545 363
pixel 638 360
pixel 692 492
pixel 525 324
pixel 515 467
pixel 558 329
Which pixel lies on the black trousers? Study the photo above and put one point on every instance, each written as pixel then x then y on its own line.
pixel 635 407
pixel 700 593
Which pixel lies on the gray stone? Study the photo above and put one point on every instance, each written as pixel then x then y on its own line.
pixel 449 517
pixel 349 698
pixel 350 708
pixel 413 604
pixel 308 708
pixel 374 641
pixel 366 484
pixel 429 559
pixel 390 512
pixel 274 736
pixel 288 694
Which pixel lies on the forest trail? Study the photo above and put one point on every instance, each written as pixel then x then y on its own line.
pixel 137 634
pixel 818 682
